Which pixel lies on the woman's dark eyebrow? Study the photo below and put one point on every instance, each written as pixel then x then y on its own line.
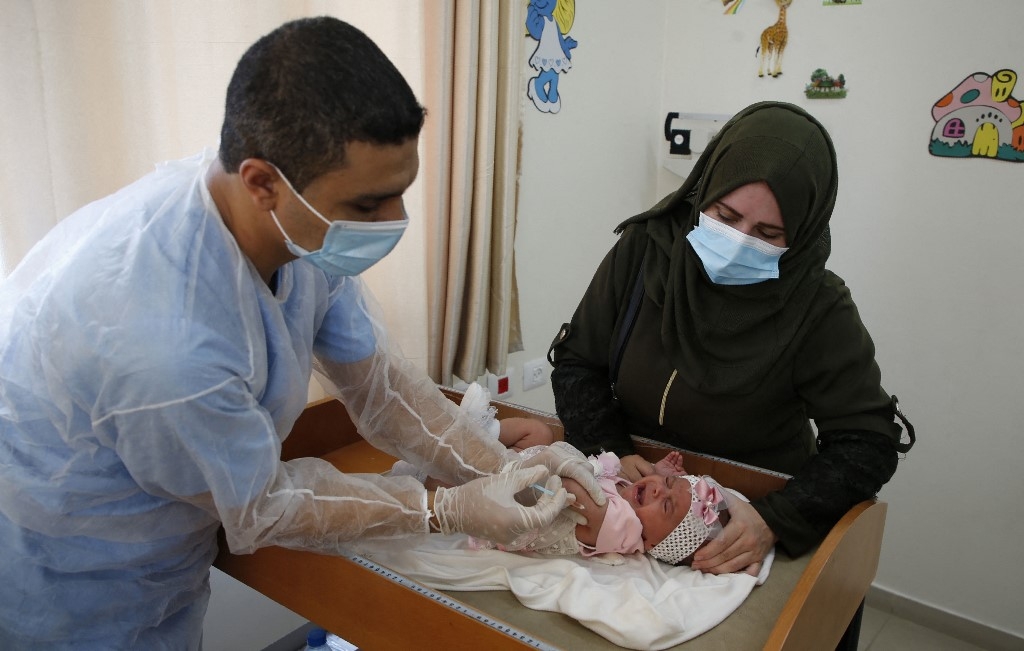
pixel 732 212
pixel 735 213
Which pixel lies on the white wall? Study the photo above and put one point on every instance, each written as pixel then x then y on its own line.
pixel 931 247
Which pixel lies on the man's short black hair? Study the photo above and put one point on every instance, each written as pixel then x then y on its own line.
pixel 301 93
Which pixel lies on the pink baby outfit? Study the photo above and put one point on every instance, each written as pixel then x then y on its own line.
pixel 621 530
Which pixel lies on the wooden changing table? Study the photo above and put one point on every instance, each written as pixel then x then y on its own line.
pixel 806 603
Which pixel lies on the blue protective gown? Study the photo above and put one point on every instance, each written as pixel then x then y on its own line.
pixel 147 378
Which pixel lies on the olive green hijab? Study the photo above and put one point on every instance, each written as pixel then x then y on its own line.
pixel 725 338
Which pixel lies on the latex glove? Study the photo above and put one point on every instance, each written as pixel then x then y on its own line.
pixel 635 467
pixel 740 547
pixel 564 460
pixel 487 508
pixel 558 538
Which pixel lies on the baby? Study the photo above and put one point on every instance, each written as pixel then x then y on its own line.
pixel 667 514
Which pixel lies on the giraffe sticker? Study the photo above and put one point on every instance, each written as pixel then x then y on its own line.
pixel 773 43
pixel 980 118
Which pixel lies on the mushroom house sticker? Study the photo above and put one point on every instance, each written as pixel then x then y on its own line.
pixel 980 117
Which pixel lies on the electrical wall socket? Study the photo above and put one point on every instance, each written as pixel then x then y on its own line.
pixel 535 373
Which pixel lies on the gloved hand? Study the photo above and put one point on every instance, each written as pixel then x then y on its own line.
pixel 564 460
pixel 557 539
pixel 486 507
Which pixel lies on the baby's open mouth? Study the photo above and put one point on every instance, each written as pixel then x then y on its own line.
pixel 640 494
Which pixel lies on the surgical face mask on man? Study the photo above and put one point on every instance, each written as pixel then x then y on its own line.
pixel 349 247
pixel 731 257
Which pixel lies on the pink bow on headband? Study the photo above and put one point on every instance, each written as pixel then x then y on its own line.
pixel 706 499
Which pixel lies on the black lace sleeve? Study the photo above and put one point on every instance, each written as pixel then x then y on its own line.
pixel 851 467
pixel 592 418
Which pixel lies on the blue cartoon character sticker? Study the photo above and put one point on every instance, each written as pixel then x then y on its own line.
pixel 549 22
pixel 980 117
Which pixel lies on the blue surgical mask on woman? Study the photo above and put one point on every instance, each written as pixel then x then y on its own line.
pixel 349 247
pixel 731 257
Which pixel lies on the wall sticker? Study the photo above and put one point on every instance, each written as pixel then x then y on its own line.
pixel 732 6
pixel 824 86
pixel 549 22
pixel 773 43
pixel 980 117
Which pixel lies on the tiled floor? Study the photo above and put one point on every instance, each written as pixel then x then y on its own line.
pixel 883 631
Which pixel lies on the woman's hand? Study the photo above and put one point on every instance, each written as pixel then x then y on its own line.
pixel 742 545
pixel 635 467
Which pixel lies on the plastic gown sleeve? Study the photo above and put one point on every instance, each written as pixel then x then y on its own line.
pixel 330 508
pixel 397 407
pixel 224 458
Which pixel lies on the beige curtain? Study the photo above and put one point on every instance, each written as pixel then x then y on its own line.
pixel 473 305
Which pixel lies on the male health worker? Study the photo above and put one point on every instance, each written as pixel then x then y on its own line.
pixel 156 348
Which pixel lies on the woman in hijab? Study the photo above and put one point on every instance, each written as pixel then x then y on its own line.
pixel 714 326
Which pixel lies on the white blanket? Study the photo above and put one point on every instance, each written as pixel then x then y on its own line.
pixel 640 604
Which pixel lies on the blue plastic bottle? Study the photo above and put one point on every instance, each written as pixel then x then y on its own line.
pixel 316 640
